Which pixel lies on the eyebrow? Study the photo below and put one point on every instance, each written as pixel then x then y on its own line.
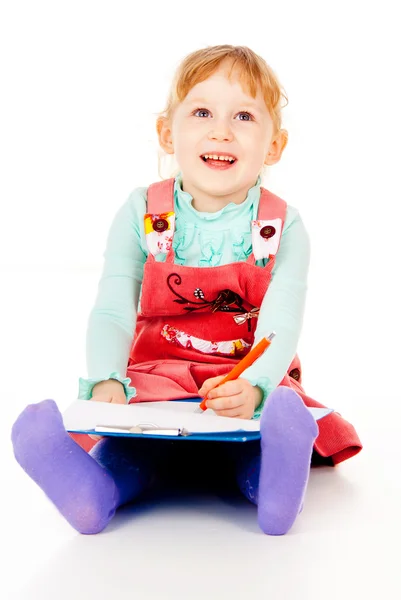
pixel 251 103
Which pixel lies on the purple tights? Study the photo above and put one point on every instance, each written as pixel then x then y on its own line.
pixel 276 477
pixel 88 488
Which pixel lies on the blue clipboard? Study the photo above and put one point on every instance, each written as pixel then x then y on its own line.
pixel 231 436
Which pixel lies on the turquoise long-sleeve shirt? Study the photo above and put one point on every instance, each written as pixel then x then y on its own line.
pixel 201 239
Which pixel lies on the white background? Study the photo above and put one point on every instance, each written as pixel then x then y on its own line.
pixel 82 83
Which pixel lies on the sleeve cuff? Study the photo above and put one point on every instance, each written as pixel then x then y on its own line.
pixel 267 387
pixel 86 386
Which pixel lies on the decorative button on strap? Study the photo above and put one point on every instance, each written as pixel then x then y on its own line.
pixel 266 237
pixel 267 232
pixel 159 231
pixel 160 225
pixel 295 374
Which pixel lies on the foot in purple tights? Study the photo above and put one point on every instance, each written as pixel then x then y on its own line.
pixel 288 432
pixel 83 491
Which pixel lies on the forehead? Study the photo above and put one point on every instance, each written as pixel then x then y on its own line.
pixel 225 84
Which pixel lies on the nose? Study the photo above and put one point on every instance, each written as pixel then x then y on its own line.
pixel 220 131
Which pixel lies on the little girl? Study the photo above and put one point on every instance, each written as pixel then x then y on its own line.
pixel 197 270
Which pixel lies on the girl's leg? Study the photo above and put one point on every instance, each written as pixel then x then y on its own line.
pixel 247 461
pixel 86 488
pixel 276 478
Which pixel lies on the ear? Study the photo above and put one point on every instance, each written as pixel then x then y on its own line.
pixel 277 146
pixel 164 133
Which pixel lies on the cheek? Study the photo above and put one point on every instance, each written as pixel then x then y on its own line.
pixel 185 146
pixel 183 137
pixel 256 146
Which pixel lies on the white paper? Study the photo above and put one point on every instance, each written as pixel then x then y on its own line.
pixel 83 415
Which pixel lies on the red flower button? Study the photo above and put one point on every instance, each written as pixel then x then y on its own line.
pixel 295 374
pixel 160 225
pixel 267 232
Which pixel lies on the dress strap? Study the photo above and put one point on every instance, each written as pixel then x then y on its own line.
pixel 160 219
pixel 268 227
pixel 161 197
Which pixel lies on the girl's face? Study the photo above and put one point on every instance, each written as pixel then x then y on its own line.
pixel 218 118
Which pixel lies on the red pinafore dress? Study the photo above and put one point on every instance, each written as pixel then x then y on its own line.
pixel 198 322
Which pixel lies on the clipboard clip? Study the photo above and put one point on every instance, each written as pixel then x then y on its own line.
pixel 142 429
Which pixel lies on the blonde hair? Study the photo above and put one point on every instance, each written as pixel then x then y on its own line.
pixel 253 71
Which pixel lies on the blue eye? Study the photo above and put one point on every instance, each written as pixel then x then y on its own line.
pixel 200 110
pixel 247 115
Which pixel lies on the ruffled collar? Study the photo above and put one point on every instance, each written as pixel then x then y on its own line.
pixel 183 202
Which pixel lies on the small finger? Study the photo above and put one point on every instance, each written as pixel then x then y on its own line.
pixel 235 413
pixel 101 398
pixel 225 403
pixel 209 384
pixel 119 400
pixel 230 388
pixel 95 437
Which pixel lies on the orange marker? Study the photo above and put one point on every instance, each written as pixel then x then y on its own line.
pixel 243 364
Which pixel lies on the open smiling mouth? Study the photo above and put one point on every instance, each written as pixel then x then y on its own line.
pixel 220 162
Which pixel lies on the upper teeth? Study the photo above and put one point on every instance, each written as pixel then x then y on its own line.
pixel 215 157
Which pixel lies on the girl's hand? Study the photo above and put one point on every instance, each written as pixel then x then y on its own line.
pixel 108 391
pixel 237 398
